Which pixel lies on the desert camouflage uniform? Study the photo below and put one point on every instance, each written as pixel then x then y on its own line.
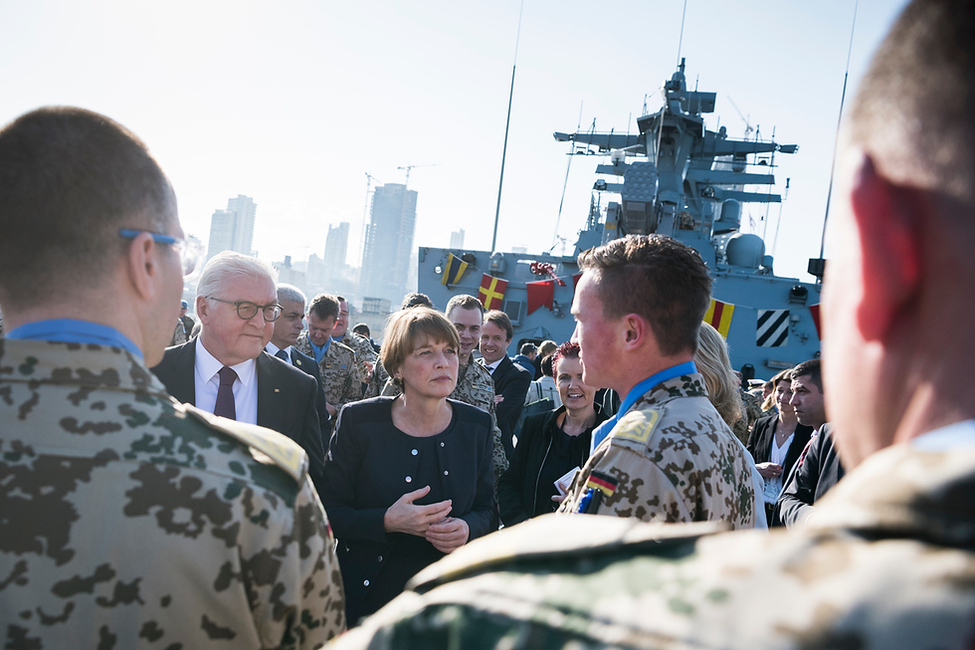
pixel 888 562
pixel 179 334
pixel 127 519
pixel 474 387
pixel 338 371
pixel 751 410
pixel 364 353
pixel 670 458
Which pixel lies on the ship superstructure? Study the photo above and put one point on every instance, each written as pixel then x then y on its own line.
pixel 677 178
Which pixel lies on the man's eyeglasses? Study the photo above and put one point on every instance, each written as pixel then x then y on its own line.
pixel 190 250
pixel 248 310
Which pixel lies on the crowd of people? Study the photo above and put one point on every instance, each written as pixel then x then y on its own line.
pixel 266 476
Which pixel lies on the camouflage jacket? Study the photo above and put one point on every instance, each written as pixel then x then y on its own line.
pixel 474 387
pixel 751 410
pixel 128 519
pixel 670 458
pixel 365 355
pixel 888 562
pixel 339 378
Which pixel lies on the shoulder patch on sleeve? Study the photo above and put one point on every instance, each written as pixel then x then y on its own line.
pixel 636 426
pixel 266 446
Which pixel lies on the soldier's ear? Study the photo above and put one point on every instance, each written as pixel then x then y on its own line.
pixel 142 266
pixel 887 216
pixel 633 331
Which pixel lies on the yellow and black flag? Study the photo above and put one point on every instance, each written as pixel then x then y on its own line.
pixel 453 270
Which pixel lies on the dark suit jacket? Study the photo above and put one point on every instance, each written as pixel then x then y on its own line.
pixel 512 381
pixel 820 471
pixel 305 363
pixel 286 399
pixel 760 442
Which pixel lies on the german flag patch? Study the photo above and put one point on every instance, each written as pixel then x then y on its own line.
pixel 602 482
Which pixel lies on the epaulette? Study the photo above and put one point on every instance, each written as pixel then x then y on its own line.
pixel 266 446
pixel 637 426
pixel 558 536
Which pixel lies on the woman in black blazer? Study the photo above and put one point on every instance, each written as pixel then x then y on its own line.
pixel 550 444
pixel 779 435
pixel 407 478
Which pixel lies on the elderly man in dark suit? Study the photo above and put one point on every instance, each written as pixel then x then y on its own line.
pixel 225 370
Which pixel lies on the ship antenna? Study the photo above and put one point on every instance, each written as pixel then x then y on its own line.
pixel 839 120
pixel 680 41
pixel 558 218
pixel 507 123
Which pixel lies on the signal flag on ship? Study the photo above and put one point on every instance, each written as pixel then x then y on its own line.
pixel 453 271
pixel 492 291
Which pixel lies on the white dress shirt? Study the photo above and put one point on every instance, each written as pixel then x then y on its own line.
pixel 207 383
pixel 273 350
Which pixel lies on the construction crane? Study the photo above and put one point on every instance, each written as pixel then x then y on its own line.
pixel 409 168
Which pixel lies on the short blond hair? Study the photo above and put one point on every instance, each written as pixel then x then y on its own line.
pixel 405 328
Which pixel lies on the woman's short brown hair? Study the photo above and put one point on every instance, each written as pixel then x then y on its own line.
pixel 406 328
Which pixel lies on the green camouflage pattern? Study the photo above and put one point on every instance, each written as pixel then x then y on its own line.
pixel 475 387
pixel 673 460
pixel 339 376
pixel 127 519
pixel 888 562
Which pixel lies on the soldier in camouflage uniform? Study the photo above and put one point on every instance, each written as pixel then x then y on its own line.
pixel 474 383
pixel 337 361
pixel 667 455
pixel 365 354
pixel 752 410
pixel 888 560
pixel 127 519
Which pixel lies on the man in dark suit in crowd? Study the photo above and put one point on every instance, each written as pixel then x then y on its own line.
pixel 225 370
pixel 510 381
pixel 286 331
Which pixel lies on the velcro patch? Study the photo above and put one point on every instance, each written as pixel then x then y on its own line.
pixel 637 429
pixel 602 482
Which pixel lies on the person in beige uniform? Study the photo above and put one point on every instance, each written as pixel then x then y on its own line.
pixel 336 360
pixel 126 518
pixel 888 560
pixel 667 455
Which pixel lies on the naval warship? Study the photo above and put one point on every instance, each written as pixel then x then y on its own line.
pixel 676 178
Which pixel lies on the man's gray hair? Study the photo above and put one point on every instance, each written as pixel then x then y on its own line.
pixel 291 293
pixel 228 265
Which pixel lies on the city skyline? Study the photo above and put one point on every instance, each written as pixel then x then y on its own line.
pixel 331 99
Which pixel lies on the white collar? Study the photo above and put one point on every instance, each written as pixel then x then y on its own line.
pixel 209 366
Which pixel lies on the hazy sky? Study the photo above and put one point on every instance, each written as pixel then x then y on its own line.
pixel 292 103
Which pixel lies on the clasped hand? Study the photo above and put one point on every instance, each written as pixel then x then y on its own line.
pixel 430 521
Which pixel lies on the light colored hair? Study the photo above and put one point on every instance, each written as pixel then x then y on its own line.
pixel 291 293
pixel 406 328
pixel 714 364
pixel 547 347
pixel 228 265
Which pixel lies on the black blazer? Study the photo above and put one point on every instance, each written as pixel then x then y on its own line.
pixel 760 442
pixel 512 381
pixel 371 464
pixel 303 362
pixel 286 399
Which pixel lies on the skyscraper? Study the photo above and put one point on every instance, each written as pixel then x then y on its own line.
pixel 457 239
pixel 233 229
pixel 336 249
pixel 389 242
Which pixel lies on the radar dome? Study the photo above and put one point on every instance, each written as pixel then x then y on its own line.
pixel 745 249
